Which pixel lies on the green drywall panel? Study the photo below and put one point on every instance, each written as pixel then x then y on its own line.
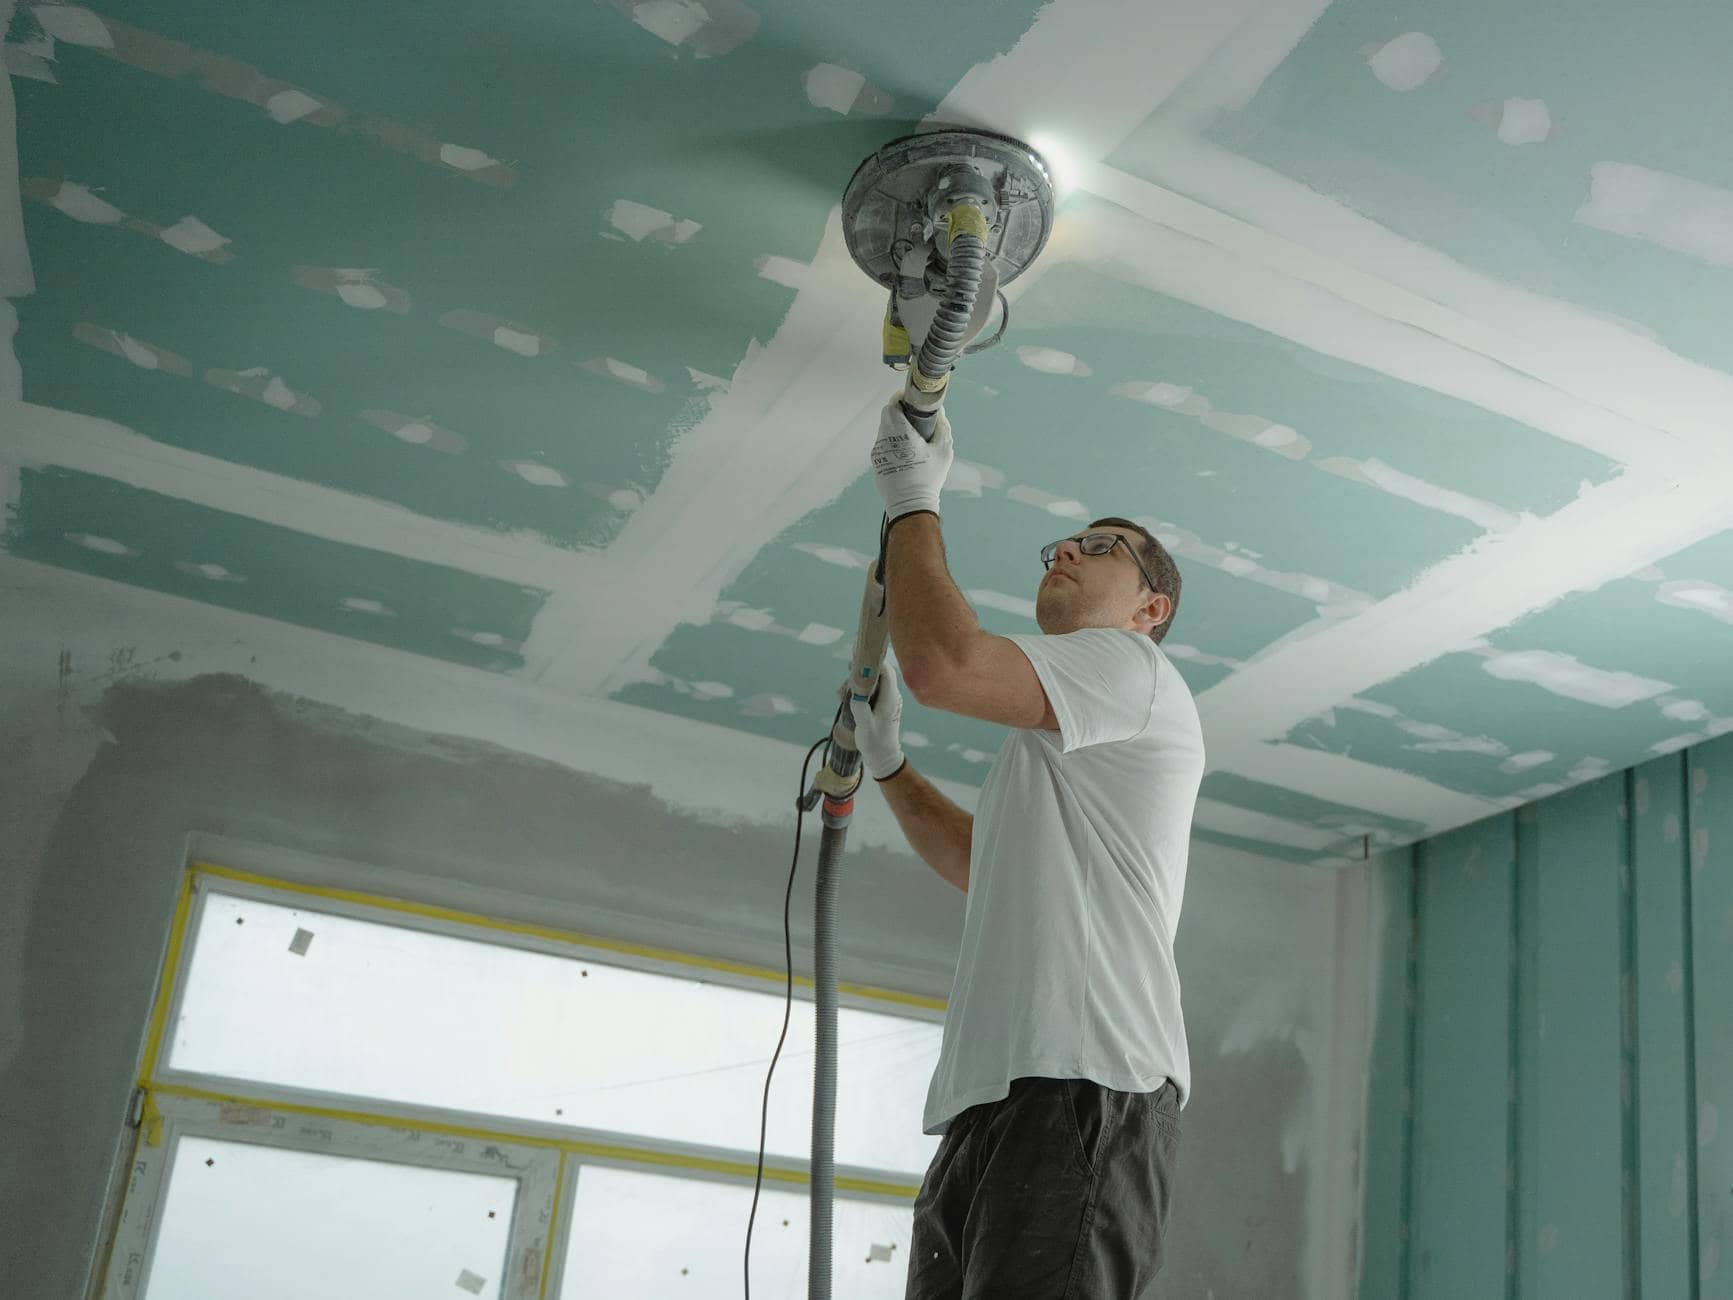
pixel 1661 1097
pixel 1576 1163
pixel 1710 802
pixel 1462 1062
pixel 1384 1159
pixel 170 545
pixel 1428 164
pixel 1228 787
pixel 585 107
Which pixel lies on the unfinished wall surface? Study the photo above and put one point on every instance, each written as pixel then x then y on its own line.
pixel 1554 1002
pixel 132 748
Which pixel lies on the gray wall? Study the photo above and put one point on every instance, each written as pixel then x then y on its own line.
pixel 124 755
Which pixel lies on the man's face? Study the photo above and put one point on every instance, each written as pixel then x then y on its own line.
pixel 1094 590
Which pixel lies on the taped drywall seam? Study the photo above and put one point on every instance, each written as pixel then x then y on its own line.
pixel 809 380
pixel 1148 237
pixel 1486 587
pixel 1284 225
pixel 16 280
pixel 285 103
pixel 713 774
pixel 38 436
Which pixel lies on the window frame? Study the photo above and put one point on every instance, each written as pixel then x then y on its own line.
pixel 170 1103
pixel 171 1116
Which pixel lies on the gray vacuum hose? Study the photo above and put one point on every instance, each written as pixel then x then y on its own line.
pixel 925 389
pixel 818 1258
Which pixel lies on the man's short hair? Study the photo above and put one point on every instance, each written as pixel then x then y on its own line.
pixel 1160 565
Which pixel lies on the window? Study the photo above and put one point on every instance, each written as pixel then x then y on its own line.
pixel 441 1101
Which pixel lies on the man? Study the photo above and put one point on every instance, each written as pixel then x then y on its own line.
pixel 1063 1066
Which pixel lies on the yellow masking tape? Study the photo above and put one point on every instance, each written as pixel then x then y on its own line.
pixel 896 338
pixel 553 1218
pixel 636 1155
pixel 152 1121
pixel 561 936
pixel 165 989
pixel 966 219
pixel 925 382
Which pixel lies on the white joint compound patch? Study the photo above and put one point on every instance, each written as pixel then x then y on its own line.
pixel 1524 762
pixel 1052 503
pixel 831 86
pixel 518 341
pixel 146 356
pixel 841 556
pixel 357 287
pixel 1407 62
pixel 367 605
pixel 1684 215
pixel 465 159
pixel 418 432
pixel 193 236
pixel 971 478
pixel 843 90
pixel 769 706
pixel 639 221
pixel 1704 597
pixel 209 571
pixel 1562 674
pixel 1051 361
pixel 623 372
pixel 707 29
pixel 540 475
pixel 102 545
pixel 783 270
pixel 258 383
pixel 1167 396
pixel 819 634
pixel 1524 121
pixel 1683 710
pixel 510 335
pixel 291 105
pixel 78 202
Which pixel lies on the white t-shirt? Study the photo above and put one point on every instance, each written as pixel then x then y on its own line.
pixel 1076 876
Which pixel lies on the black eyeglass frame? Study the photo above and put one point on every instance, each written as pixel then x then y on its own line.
pixel 1050 552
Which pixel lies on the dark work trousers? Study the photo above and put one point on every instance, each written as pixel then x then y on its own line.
pixel 1060 1191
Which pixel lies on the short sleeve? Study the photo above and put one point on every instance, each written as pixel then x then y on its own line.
pixel 1100 681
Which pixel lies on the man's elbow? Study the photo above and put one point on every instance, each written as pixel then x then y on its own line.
pixel 925 679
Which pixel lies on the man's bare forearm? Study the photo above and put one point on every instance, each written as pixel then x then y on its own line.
pixel 930 622
pixel 938 830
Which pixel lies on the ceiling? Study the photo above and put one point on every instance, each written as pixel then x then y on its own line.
pixel 523 337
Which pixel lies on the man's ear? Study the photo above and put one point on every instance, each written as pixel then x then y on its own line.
pixel 1157 609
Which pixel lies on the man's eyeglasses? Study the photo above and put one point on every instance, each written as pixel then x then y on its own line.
pixel 1095 544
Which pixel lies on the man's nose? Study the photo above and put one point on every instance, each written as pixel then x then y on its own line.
pixel 1071 551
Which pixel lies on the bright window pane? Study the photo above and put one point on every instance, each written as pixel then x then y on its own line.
pixel 653 1237
pixel 301 998
pixel 283 1225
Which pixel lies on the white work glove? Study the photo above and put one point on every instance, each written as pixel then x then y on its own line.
pixel 910 471
pixel 878 729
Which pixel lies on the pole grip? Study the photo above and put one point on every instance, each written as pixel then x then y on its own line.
pixel 871 633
